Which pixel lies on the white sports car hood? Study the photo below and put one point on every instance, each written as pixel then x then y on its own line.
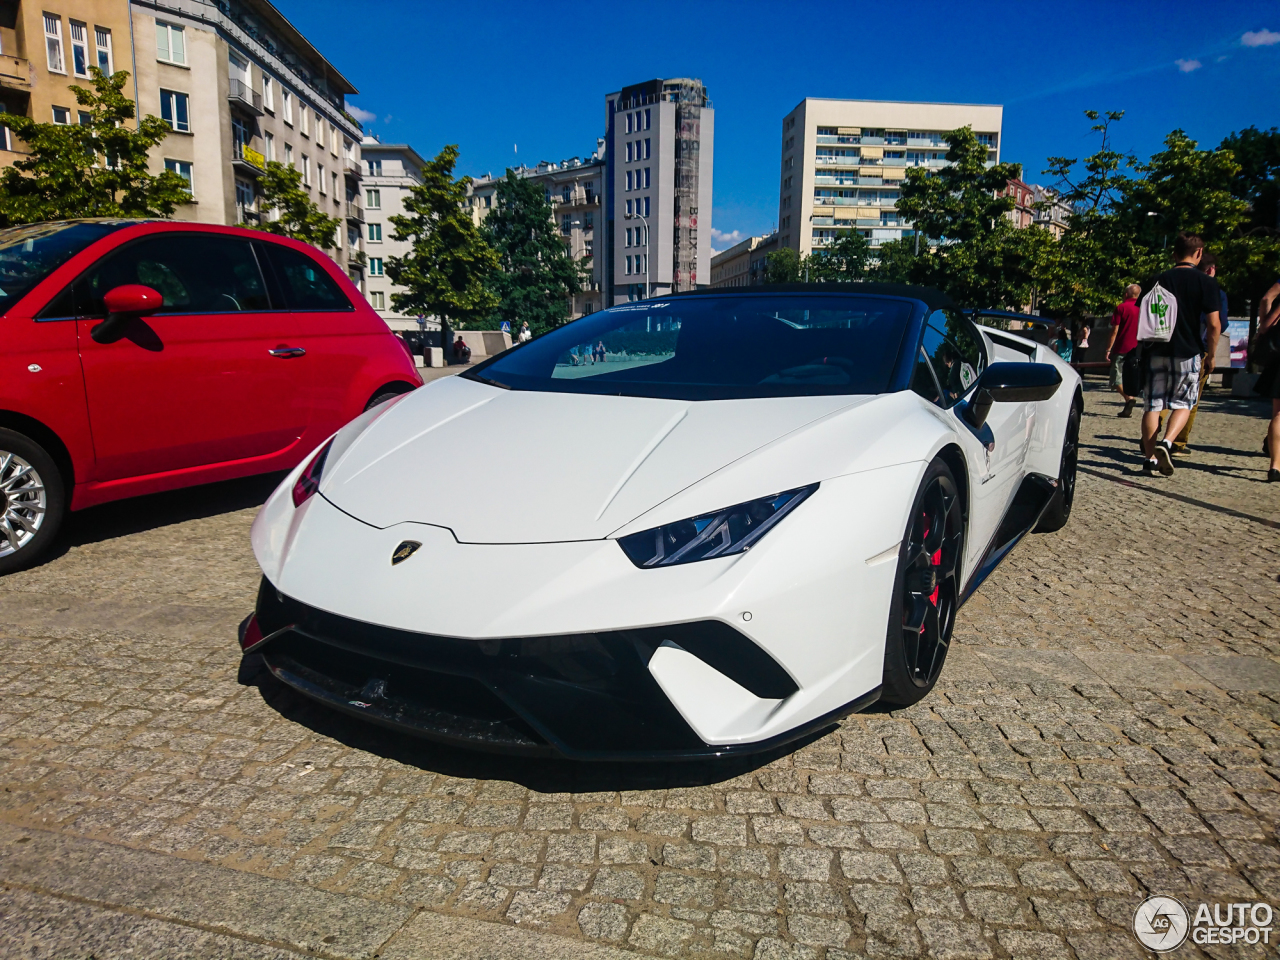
pixel 500 466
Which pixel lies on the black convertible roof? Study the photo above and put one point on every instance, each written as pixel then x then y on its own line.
pixel 931 298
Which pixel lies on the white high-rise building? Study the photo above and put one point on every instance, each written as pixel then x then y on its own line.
pixel 843 162
pixel 659 150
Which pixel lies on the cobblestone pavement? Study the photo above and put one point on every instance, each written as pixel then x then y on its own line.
pixel 1108 726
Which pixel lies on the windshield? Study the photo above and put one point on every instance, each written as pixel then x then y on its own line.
pixel 31 252
pixel 716 348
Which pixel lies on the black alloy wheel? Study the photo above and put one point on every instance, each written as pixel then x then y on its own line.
pixel 926 590
pixel 1058 512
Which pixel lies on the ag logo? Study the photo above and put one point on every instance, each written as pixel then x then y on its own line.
pixel 1160 923
pixel 966 375
pixel 403 552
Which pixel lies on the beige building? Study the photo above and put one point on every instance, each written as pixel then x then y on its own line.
pixel 843 162
pixel 573 187
pixel 391 170
pixel 240 86
pixel 44 50
pixel 743 264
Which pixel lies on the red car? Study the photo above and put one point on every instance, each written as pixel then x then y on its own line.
pixel 139 356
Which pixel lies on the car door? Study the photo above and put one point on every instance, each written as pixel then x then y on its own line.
pixel 207 379
pixel 952 359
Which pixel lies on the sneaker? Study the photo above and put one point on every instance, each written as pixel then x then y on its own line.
pixel 1164 457
pixel 1273 475
pixel 1150 468
pixel 1127 412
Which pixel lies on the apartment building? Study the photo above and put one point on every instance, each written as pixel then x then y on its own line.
pixel 240 86
pixel 659 153
pixel 1049 210
pixel 843 163
pixel 391 170
pixel 1022 214
pixel 45 49
pixel 743 264
pixel 573 188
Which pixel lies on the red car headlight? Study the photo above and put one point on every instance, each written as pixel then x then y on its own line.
pixel 309 482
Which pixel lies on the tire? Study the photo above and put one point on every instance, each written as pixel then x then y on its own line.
pixel 33 501
pixel 383 394
pixel 926 590
pixel 1058 512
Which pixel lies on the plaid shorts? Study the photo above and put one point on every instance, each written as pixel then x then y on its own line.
pixel 1172 383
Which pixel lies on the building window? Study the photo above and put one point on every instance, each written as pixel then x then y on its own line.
pixel 173 110
pixel 306 170
pixel 85 117
pixel 629 211
pixel 566 193
pixel 647 118
pixel 628 266
pixel 244 195
pixel 268 94
pixel 375 266
pixel 375 167
pixel 646 178
pixel 353 237
pixel 373 199
pixel 566 224
pixel 79 48
pixel 183 169
pixel 488 201
pixel 288 154
pixel 646 148
pixel 269 146
pixel 591 192
pixel 304 124
pixel 629 122
pixel 628 179
pixel 286 106
pixel 378 300
pixel 335 187
pixel 375 233
pixel 628 236
pixel 646 206
pixel 53 43
pixel 61 115
pixel 629 148
pixel 171 46
pixel 103 38
pixel 589 220
pixel 320 177
pixel 586 247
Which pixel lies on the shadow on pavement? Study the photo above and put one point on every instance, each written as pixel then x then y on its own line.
pixel 542 774
pixel 138 514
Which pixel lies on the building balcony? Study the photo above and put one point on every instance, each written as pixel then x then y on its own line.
pixel 355 212
pixel 247 160
pixel 241 95
pixel 15 73
pixel 351 167
pixel 838 161
pixel 848 138
pixel 247 214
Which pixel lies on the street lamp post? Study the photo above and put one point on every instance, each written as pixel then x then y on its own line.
pixel 636 216
pixel 1164 243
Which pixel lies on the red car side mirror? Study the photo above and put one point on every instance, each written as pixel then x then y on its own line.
pixel 123 303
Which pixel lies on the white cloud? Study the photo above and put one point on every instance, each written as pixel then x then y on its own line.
pixel 1260 38
pixel 722 241
pixel 364 116
pixel 1186 66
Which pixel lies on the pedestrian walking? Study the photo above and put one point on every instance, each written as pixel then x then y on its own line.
pixel 1124 340
pixel 1266 346
pixel 1062 344
pixel 1082 342
pixel 1208 265
pixel 525 333
pixel 1169 321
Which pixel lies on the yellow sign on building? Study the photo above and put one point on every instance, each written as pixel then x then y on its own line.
pixel 253 156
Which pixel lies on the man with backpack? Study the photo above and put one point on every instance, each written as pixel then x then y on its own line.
pixel 1169 328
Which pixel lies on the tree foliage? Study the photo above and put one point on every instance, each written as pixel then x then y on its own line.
pixel 782 266
pixel 446 271
pixel 846 259
pixel 96 168
pixel 536 275
pixel 280 190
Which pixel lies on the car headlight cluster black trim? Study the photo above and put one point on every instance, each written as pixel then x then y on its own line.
pixel 719 534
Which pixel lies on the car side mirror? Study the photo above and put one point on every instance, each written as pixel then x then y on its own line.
pixel 123 304
pixel 1011 383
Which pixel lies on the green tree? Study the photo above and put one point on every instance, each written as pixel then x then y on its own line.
pixel 977 255
pixel 782 266
pixel 895 261
pixel 446 271
pixel 537 276
pixel 1250 259
pixel 280 190
pixel 93 169
pixel 1087 270
pixel 846 259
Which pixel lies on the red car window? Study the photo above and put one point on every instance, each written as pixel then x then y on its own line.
pixel 305 285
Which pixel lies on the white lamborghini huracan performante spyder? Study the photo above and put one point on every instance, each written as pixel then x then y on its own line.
pixel 682 527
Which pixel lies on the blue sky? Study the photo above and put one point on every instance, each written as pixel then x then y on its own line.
pixel 523 82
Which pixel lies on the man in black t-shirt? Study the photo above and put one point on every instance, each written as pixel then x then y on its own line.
pixel 1173 371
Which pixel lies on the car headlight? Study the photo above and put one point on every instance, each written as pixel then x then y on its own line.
pixel 309 480
pixel 723 533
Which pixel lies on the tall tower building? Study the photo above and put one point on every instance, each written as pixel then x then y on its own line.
pixel 843 163
pixel 659 148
